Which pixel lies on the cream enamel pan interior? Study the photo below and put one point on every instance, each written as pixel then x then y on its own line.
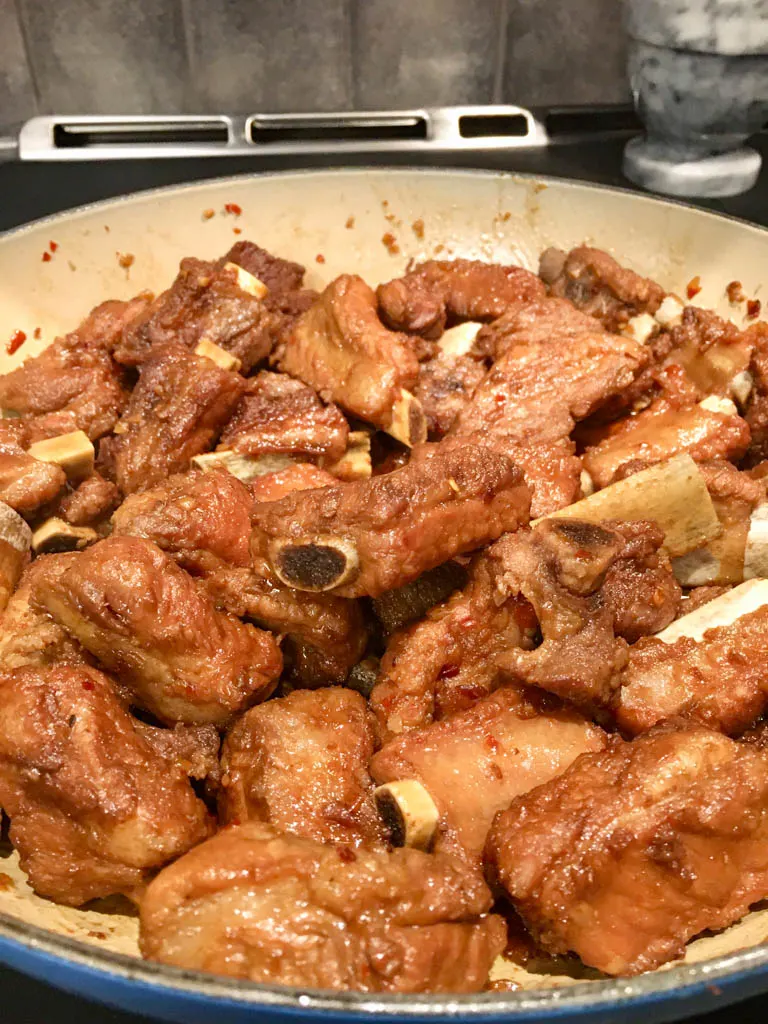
pixel 370 222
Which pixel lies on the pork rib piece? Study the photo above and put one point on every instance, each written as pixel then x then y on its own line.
pixel 341 349
pixel 424 299
pixel 300 764
pixel 203 521
pixel 476 762
pixel 373 535
pixel 145 619
pixel 595 283
pixel 73 384
pixel 94 810
pixel 278 414
pixel 91 501
pixel 176 410
pixel 635 850
pixel 26 483
pixel 256 904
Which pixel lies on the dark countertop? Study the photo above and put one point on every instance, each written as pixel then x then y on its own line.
pixel 33 190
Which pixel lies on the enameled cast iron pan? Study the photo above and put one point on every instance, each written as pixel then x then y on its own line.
pixel 369 222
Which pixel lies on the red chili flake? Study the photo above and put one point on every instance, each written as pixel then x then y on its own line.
pixel 233 208
pixel 16 341
pixel 449 671
pixel 46 257
pixel 36 333
pixel 694 287
pixel 492 743
pixel 346 854
pixel 734 292
pixel 88 684
pixel 126 260
pixel 499 398
pixel 753 308
pixel 207 214
pixel 319 258
pixel 53 246
pixel 237 231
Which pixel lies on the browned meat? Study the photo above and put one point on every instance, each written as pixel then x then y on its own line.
pixel 551 470
pixel 203 521
pixel 712 351
pixel 698 596
pixel 640 588
pixel 373 535
pixel 300 764
pixel 176 410
pixel 252 903
pixel 26 483
pixel 303 476
pixel 476 762
pixel 536 391
pixel 146 620
pixel 73 384
pixel 445 663
pixel 541 322
pixel 205 301
pixel 341 349
pixel 595 283
pixel 29 636
pixel 719 681
pixel 282 277
pixel 661 431
pixel 446 384
pixel 757 413
pixel 192 748
pixel 93 500
pixel 94 810
pixel 587 585
pixel 279 414
pixel 635 850
pixel 432 292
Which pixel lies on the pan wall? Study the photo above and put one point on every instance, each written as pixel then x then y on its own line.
pixel 197 56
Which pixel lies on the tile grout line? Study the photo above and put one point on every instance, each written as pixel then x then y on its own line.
pixel 191 95
pixel 502 23
pixel 36 95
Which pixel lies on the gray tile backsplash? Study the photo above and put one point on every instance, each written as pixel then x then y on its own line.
pixel 154 56
pixel 410 53
pixel 107 56
pixel 275 55
pixel 17 93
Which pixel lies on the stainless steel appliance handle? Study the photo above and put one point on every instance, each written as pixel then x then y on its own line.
pixel 465 128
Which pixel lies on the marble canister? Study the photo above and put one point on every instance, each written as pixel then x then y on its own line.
pixel 699 75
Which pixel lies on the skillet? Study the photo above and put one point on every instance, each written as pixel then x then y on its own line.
pixel 371 222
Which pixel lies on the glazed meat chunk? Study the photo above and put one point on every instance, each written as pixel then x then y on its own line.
pixel 714 353
pixel 90 502
pixel 595 283
pixel 546 320
pixel 718 679
pixel 94 810
pixel 300 764
pixel 445 387
pixel 206 301
pixel 663 430
pixel 74 384
pixel 146 619
pixel 475 763
pixel 341 349
pixel 301 476
pixel 635 850
pixel 588 585
pixel 278 414
pixel 256 904
pixel 286 298
pixel 203 521
pixel 373 535
pixel 424 299
pixel 176 410
pixel 26 483
pixel 192 748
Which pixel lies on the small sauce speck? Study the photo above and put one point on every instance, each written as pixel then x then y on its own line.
pixel 6 882
pixel 390 243
pixel 735 292
pixel 753 308
pixel 237 231
pixel 15 342
pixel 37 333
pixel 418 228
pixel 346 854
pixel 234 208
pixel 350 223
pixel 53 246
pixel 694 287
pixel 126 260
pixel 319 258
pixel 207 214
pixel 46 257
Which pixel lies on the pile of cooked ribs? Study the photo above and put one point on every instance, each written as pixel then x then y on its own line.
pixel 361 637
